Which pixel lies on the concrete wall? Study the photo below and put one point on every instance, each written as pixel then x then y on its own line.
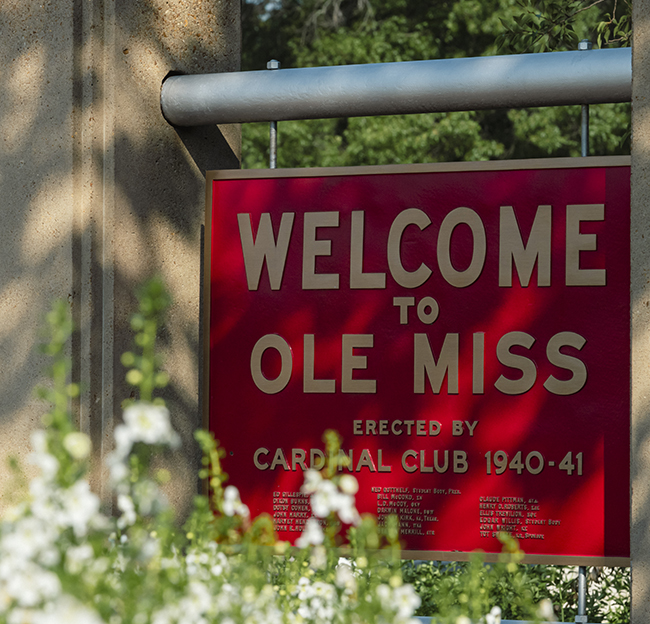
pixel 98 192
pixel 640 309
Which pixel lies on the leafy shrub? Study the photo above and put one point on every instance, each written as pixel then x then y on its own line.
pixel 554 587
pixel 62 559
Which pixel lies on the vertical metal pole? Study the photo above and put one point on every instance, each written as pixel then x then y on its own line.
pixel 273 135
pixel 273 147
pixel 584 138
pixel 585 44
pixel 582 595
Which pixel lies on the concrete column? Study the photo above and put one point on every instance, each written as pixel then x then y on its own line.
pixel 640 310
pixel 98 192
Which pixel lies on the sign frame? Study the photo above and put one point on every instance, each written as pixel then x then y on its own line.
pixel 513 165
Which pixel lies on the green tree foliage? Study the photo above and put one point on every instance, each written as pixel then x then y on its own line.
pixel 544 25
pixel 308 33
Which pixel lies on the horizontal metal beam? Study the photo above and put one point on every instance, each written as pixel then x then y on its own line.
pixel 515 81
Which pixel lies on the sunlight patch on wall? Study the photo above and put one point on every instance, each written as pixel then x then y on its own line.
pixel 48 225
pixel 23 86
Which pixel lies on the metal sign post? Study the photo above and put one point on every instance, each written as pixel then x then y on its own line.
pixel 585 44
pixel 273 134
pixel 582 595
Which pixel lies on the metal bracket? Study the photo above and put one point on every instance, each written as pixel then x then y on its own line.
pixel 510 81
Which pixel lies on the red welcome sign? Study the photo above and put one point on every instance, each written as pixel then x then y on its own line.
pixel 464 327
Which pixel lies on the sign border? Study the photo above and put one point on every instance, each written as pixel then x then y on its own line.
pixel 493 165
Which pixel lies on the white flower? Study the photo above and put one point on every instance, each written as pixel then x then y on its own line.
pixel 347 510
pixel 123 443
pixel 44 500
pixel 21 616
pixel 225 599
pixel 494 616
pixel 304 588
pixel 49 557
pixel 77 444
pixel 39 441
pixel 325 499
pixel 30 584
pixel 48 464
pixel 119 471
pixel 76 557
pixel 312 534
pixel 324 590
pixel 385 595
pixel 126 506
pixel 150 424
pixel 150 549
pixel 232 503
pixel 79 507
pixel 304 612
pixel 220 565
pixel 199 599
pixel 545 610
pixel 313 479
pixel 195 561
pixel 344 577
pixel 407 601
pixel 348 484
pixel 318 559
pixel 69 610
pixel 29 537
